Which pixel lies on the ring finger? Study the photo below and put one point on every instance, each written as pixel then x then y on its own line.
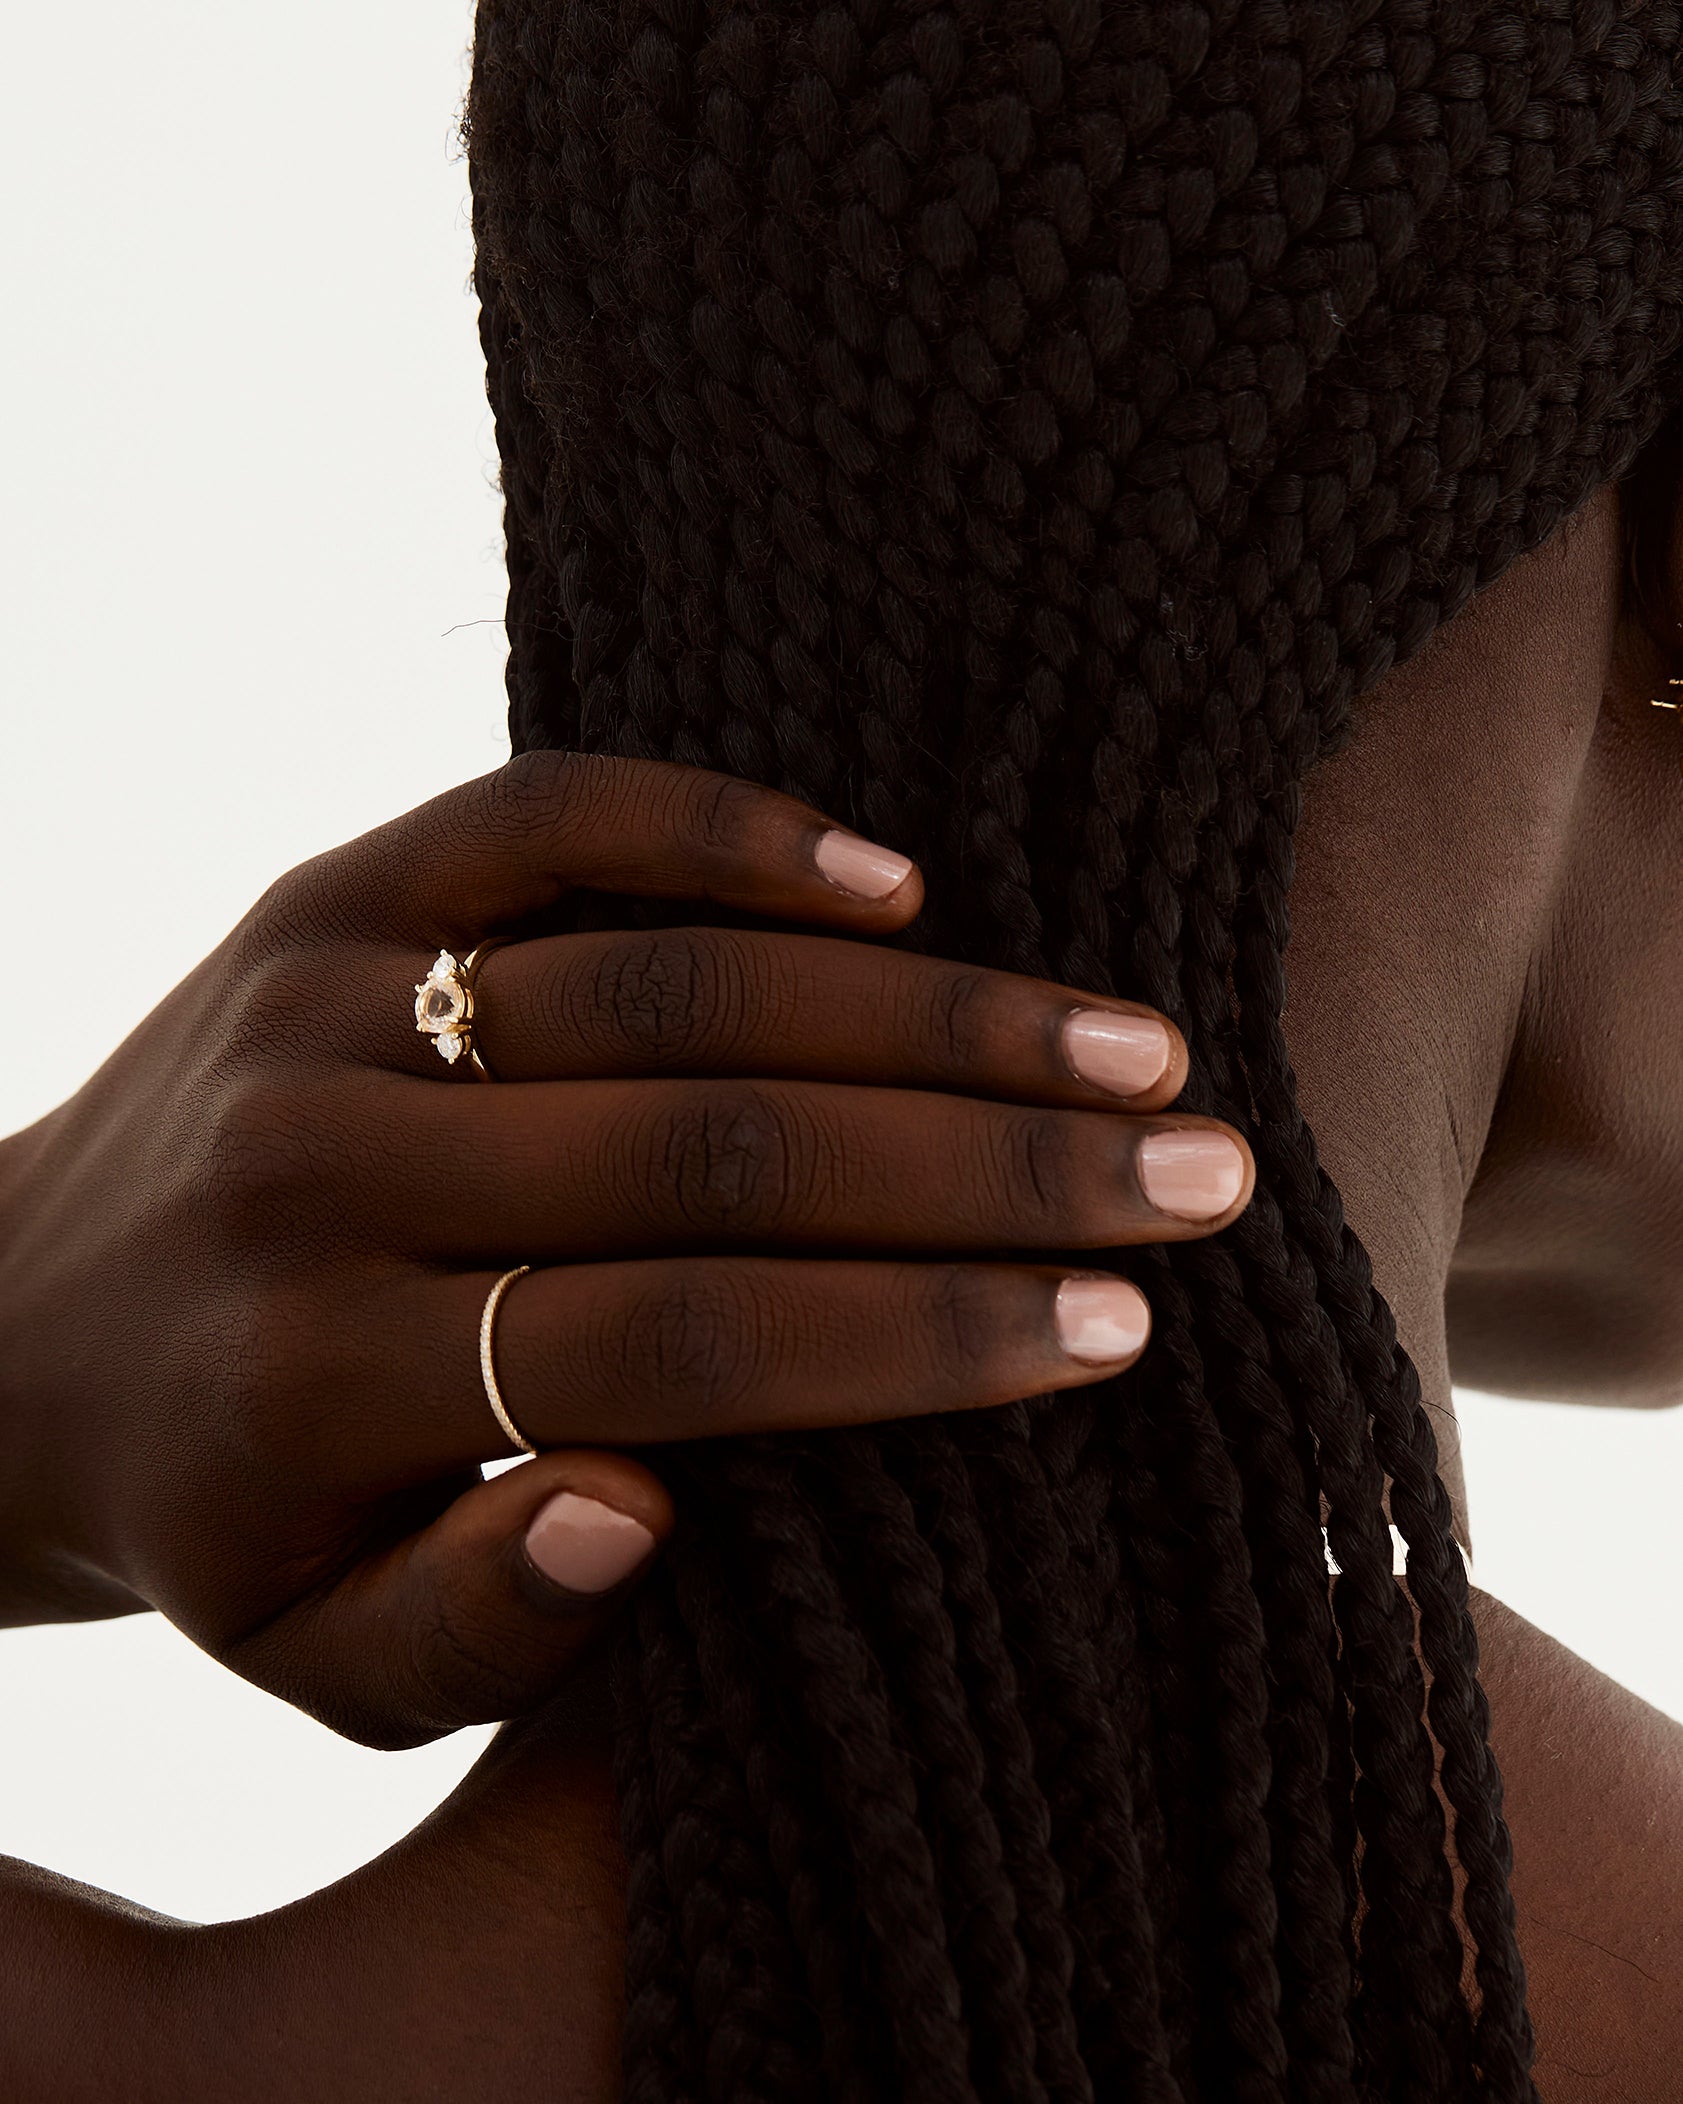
pixel 692 1347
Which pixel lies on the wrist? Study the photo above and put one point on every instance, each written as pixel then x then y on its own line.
pixel 43 1577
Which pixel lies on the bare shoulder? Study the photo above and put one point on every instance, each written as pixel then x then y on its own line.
pixel 1594 1791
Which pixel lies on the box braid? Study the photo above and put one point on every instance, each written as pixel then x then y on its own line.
pixel 1023 428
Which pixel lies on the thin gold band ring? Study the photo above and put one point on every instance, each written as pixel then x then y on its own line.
pixel 487 1359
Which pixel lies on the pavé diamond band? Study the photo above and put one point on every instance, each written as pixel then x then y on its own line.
pixel 488 1363
pixel 444 1004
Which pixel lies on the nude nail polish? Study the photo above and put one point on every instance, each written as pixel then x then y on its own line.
pixel 1190 1175
pixel 1101 1319
pixel 1122 1054
pixel 584 1546
pixel 859 867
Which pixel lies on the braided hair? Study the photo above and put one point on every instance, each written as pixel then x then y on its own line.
pixel 1022 429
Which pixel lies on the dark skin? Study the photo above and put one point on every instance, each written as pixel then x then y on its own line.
pixel 1488 911
pixel 761 1178
pixel 1487 921
pixel 765 1180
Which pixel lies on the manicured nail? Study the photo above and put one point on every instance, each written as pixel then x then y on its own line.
pixel 584 1546
pixel 1121 1053
pixel 1101 1319
pixel 1192 1175
pixel 858 867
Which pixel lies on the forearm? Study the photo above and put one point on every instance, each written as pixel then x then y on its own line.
pixel 479 1959
pixel 1594 1792
pixel 91 2010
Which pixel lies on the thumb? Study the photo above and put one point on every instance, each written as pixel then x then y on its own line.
pixel 482 1614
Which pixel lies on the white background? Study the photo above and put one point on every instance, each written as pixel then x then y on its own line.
pixel 250 576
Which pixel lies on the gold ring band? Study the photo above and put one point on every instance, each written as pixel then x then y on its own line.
pixel 487 1361
pixel 444 1005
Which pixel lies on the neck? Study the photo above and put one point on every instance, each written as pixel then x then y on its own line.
pixel 1428 864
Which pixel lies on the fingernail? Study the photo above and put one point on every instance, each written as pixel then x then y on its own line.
pixel 585 1546
pixel 859 867
pixel 1192 1175
pixel 1101 1319
pixel 1121 1053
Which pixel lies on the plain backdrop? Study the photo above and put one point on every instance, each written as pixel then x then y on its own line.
pixel 250 580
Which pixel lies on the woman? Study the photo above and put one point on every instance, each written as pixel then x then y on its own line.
pixel 1026 440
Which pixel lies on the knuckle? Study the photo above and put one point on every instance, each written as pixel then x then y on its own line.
pixel 724 812
pixel 357 1716
pixel 526 806
pixel 273 1410
pixel 255 1153
pixel 299 907
pixel 956 1018
pixel 959 1317
pixel 1031 1169
pixel 269 1154
pixel 462 1668
pixel 528 798
pixel 661 997
pixel 695 1346
pixel 733 1161
pixel 259 1016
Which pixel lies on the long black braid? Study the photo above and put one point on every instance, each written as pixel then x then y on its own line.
pixel 1022 428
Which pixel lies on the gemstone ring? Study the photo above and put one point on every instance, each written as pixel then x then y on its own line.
pixel 444 1007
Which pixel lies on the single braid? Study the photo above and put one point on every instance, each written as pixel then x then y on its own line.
pixel 944 1496
pixel 914 1637
pixel 715 1898
pixel 1026 433
pixel 801 1846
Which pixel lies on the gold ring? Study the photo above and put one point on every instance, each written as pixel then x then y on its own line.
pixel 487 1362
pixel 444 1005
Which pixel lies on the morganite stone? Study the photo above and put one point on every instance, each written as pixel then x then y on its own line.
pixel 440 1001
pixel 438 1005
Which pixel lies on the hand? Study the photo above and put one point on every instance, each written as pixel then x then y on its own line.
pixel 762 1180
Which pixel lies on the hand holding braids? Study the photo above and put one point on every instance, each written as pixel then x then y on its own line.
pixel 1024 433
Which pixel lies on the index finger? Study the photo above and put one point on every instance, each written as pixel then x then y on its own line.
pixel 513 842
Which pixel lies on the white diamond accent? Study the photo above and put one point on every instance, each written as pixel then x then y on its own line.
pixel 451 1045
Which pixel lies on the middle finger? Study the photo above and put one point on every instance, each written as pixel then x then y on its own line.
pixel 556 1171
